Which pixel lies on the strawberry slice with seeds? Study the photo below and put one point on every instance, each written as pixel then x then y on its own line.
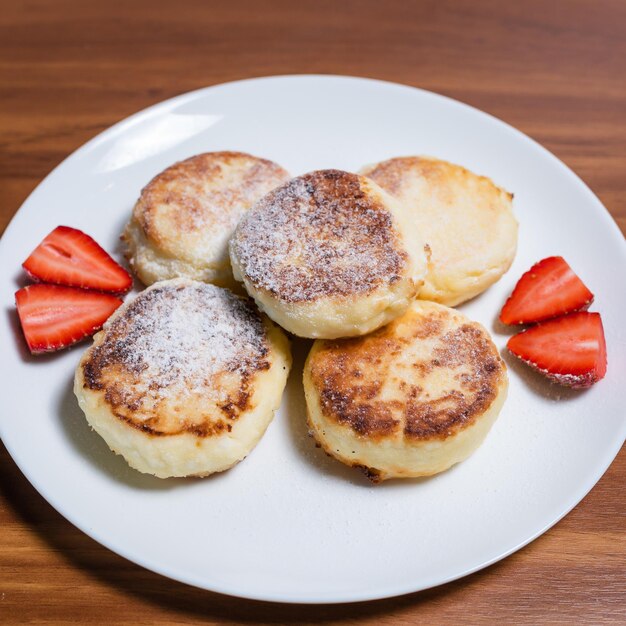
pixel 549 288
pixel 67 256
pixel 570 350
pixel 54 317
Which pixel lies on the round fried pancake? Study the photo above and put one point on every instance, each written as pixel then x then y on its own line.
pixel 183 220
pixel 411 399
pixel 466 220
pixel 184 379
pixel 329 254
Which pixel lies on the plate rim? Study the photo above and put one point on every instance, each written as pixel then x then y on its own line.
pixel 153 109
pixel 156 109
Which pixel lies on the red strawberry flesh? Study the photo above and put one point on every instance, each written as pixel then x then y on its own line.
pixel 54 317
pixel 548 289
pixel 570 350
pixel 67 256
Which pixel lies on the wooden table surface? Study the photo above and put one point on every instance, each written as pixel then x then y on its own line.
pixel 555 70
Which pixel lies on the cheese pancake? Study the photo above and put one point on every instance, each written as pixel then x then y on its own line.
pixel 411 399
pixel 329 254
pixel 466 220
pixel 181 224
pixel 184 379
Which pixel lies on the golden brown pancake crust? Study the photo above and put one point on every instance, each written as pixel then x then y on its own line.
pixel 358 388
pixel 175 202
pixel 319 235
pixel 465 218
pixel 392 174
pixel 180 359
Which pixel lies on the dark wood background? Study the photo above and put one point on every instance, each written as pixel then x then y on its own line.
pixel 554 69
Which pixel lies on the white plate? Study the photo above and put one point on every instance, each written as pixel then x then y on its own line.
pixel 290 524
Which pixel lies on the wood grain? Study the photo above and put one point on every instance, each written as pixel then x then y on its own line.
pixel 555 70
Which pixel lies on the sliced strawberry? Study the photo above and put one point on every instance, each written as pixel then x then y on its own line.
pixel 68 256
pixel 55 317
pixel 549 288
pixel 569 350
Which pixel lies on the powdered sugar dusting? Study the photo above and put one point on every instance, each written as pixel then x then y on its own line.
pixel 319 234
pixel 174 341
